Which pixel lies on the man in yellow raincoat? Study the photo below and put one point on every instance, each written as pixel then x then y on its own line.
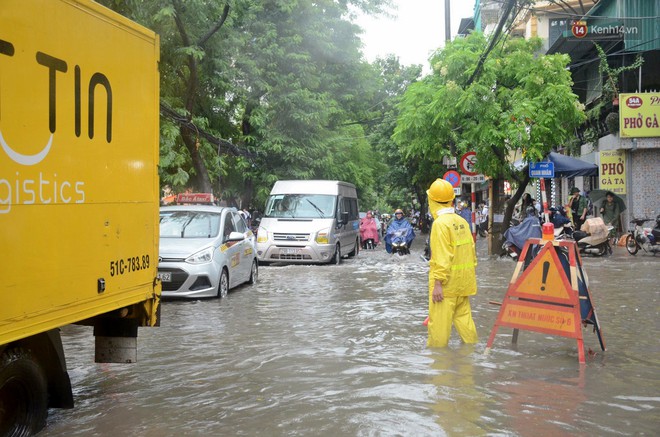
pixel 452 276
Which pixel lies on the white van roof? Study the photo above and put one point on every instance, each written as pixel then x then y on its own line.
pixel 314 187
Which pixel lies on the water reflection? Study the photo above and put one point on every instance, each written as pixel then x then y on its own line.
pixel 458 400
pixel 341 350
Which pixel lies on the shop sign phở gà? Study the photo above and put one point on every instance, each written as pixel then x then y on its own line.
pixel 639 115
pixel 613 171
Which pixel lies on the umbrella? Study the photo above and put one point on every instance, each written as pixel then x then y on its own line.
pixel 598 197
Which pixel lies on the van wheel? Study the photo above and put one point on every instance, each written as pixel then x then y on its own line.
pixel 223 284
pixel 355 250
pixel 23 394
pixel 336 258
pixel 254 272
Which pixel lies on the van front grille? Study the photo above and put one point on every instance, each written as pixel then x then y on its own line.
pixel 290 237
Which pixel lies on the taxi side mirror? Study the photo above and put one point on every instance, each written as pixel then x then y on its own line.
pixel 236 236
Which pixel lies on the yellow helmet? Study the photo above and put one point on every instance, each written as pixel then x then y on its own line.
pixel 398 211
pixel 441 191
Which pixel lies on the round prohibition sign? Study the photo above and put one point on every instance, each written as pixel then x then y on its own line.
pixel 468 163
pixel 453 178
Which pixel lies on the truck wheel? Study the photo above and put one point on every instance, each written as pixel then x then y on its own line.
pixel 23 394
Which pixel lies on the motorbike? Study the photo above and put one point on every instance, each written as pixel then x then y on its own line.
pixel 594 237
pixel 562 224
pixel 368 244
pixel 516 236
pixel 643 238
pixel 369 234
pixel 399 245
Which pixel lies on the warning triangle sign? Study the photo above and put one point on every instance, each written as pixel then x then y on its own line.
pixel 545 277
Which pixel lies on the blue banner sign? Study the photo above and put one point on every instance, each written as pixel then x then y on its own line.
pixel 541 169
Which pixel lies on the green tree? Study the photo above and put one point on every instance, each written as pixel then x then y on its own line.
pixel 252 92
pixel 521 102
pixel 393 173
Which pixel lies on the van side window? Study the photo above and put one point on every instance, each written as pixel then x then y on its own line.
pixel 354 213
pixel 342 206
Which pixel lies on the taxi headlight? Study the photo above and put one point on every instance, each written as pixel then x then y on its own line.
pixel 262 235
pixel 201 257
pixel 323 237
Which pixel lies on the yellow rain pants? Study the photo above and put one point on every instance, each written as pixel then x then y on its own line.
pixel 453 262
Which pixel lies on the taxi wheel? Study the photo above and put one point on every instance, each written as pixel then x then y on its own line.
pixel 223 284
pixel 254 272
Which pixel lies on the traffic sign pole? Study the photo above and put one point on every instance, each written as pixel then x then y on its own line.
pixel 544 199
pixel 474 212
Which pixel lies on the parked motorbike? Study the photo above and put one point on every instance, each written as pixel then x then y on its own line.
pixel 644 238
pixel 594 237
pixel 562 224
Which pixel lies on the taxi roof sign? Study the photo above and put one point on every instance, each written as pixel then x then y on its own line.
pixel 196 198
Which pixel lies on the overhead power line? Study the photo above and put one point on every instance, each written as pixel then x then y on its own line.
pixel 494 39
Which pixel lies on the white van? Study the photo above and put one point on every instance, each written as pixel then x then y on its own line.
pixel 309 222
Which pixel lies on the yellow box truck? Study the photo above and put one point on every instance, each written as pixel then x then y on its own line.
pixel 79 195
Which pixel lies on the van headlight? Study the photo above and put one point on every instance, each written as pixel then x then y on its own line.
pixel 262 235
pixel 323 237
pixel 201 257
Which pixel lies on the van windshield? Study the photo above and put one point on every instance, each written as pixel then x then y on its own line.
pixel 301 206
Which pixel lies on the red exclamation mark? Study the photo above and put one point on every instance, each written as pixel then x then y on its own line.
pixel 546 269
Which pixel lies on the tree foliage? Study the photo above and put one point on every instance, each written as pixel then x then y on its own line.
pixel 252 92
pixel 521 102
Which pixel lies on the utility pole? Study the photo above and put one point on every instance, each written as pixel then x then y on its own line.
pixel 447 22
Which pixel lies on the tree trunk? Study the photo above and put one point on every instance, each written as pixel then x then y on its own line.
pixel 201 180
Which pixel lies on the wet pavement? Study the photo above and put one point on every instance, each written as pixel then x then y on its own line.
pixel 341 350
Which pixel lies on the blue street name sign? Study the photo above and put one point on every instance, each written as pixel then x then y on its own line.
pixel 541 169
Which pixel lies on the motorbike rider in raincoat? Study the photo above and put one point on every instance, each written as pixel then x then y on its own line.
pixel 368 229
pixel 399 222
pixel 452 276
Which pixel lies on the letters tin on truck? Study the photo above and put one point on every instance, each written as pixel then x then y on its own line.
pixel 79 98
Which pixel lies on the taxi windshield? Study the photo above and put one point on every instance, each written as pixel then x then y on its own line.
pixel 300 206
pixel 189 224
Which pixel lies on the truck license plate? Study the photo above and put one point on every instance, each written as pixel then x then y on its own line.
pixel 292 251
pixel 165 276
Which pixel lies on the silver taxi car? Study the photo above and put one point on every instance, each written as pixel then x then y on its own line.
pixel 204 251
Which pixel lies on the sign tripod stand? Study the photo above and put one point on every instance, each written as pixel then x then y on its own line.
pixel 549 293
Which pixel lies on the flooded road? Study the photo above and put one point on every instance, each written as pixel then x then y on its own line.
pixel 341 350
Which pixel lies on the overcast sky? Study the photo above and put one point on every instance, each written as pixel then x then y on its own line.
pixel 417 30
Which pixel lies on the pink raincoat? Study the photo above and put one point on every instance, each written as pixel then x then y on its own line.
pixel 368 229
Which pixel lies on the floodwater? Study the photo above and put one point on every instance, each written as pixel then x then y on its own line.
pixel 341 351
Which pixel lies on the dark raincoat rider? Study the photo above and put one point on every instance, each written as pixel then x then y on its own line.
pixel 528 228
